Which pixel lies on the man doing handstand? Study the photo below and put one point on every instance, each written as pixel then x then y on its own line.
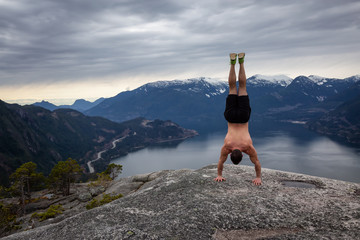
pixel 237 114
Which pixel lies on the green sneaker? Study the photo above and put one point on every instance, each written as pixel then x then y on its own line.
pixel 241 57
pixel 233 58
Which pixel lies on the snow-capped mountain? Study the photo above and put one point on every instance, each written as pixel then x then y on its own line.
pixel 355 78
pixel 323 80
pixel 321 88
pixel 281 80
pixel 207 81
pixel 318 79
pixel 208 86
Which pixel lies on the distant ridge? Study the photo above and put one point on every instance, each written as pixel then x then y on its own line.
pixel 47 105
pixel 79 105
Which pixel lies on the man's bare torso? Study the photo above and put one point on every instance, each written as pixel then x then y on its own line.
pixel 238 137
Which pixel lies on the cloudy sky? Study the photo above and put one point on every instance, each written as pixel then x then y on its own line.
pixel 68 49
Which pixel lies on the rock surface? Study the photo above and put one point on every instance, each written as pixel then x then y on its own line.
pixel 188 204
pixel 84 196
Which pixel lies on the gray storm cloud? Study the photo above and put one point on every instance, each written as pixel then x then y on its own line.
pixel 54 41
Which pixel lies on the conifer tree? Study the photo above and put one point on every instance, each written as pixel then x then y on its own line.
pixel 7 218
pixel 63 174
pixel 113 170
pixel 22 179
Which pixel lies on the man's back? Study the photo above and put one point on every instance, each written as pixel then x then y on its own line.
pixel 238 137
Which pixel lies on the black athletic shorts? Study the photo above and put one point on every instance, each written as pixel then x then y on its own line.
pixel 237 109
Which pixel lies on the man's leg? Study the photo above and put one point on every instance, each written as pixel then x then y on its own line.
pixel 232 74
pixel 242 76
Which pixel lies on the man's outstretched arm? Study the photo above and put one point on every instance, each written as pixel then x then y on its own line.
pixel 254 159
pixel 223 156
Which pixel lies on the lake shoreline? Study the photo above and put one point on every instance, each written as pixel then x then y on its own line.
pixel 289 147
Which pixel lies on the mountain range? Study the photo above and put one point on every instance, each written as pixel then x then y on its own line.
pixel 193 102
pixel 79 105
pixel 199 103
pixel 32 133
pixel 343 121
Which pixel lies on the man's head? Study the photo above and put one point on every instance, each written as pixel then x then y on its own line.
pixel 236 156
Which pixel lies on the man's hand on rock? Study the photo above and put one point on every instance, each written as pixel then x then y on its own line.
pixel 219 179
pixel 257 181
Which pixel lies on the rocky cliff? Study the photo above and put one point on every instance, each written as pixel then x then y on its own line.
pixel 188 204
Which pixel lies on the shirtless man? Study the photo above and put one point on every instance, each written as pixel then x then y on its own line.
pixel 237 113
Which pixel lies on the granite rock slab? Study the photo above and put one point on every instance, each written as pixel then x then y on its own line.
pixel 189 204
